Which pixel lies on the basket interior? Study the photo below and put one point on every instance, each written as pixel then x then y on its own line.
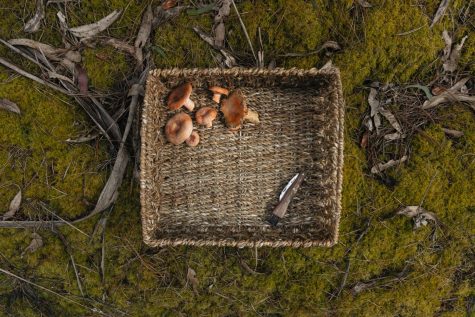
pixel 226 188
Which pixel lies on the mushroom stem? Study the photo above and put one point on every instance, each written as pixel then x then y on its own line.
pixel 194 139
pixel 189 104
pixel 216 97
pixel 251 116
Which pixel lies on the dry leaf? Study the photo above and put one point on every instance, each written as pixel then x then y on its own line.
pixel 327 65
pixel 223 11
pixel 35 244
pixel 229 60
pixel 110 191
pixel 377 122
pixel 364 140
pixel 419 214
pixel 162 15
pixel 48 50
pixel 145 28
pixel 373 102
pixel 83 139
pixel 448 97
pixel 440 12
pixel 73 56
pixel 248 269
pixel 368 123
pixel 391 118
pixel 437 90
pixel 136 90
pixel 411 211
pixel 91 30
pixel 451 55
pixel 219 33
pixel 459 86
pixel 423 219
pixel 364 3
pixel 120 45
pixel 453 133
pixel 451 95
pixel 62 22
pixel 8 105
pixel 448 45
pixel 378 168
pixel 33 25
pixel 168 4
pixel 360 287
pixel 83 80
pixel 54 75
pixel 192 279
pixel 330 45
pixel 14 207
pixel 394 136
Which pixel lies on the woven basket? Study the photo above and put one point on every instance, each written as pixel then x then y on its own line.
pixel 222 192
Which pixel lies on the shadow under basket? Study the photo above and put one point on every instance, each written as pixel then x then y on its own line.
pixel 223 192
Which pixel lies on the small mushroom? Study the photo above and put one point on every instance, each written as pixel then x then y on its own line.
pixel 235 111
pixel 179 128
pixel 205 116
pixel 194 139
pixel 217 92
pixel 180 96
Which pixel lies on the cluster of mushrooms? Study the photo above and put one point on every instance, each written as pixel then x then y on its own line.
pixel 179 128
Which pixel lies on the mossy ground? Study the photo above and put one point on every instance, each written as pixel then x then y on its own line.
pixel 144 282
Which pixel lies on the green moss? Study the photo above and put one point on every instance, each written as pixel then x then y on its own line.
pixel 145 282
pixel 105 67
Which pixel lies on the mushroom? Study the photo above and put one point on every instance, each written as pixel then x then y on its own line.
pixel 217 92
pixel 180 96
pixel 205 116
pixel 194 139
pixel 179 128
pixel 235 111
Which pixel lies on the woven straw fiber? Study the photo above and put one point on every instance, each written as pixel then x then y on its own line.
pixel 223 191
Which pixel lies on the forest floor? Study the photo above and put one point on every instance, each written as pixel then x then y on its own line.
pixel 382 265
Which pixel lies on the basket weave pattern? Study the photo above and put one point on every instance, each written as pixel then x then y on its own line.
pixel 223 191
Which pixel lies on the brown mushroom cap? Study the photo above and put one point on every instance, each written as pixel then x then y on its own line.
pixel 179 96
pixel 205 116
pixel 234 109
pixel 217 92
pixel 194 139
pixel 179 128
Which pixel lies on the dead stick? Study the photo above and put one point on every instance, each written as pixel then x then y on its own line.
pixel 30 76
pixel 245 31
